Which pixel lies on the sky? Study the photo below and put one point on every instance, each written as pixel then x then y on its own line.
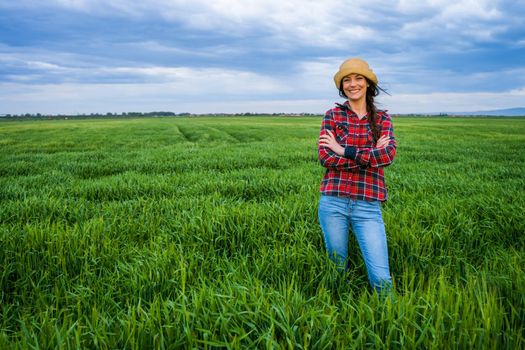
pixel 265 56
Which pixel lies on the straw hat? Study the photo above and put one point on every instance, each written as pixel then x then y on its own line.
pixel 356 66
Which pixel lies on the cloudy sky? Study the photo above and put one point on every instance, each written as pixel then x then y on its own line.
pixel 230 56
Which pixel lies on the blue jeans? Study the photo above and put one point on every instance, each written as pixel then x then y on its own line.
pixel 336 215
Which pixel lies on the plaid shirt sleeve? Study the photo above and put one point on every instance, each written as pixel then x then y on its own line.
pixel 327 157
pixel 379 157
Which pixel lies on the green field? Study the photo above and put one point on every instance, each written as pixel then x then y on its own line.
pixel 202 232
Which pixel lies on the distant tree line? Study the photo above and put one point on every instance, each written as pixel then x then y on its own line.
pixel 140 115
pixel 93 115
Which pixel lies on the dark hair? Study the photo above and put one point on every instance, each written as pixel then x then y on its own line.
pixel 371 92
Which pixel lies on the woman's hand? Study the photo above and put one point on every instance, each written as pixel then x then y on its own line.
pixel 383 141
pixel 328 140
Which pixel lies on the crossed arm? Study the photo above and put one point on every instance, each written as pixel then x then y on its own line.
pixel 334 155
pixel 328 140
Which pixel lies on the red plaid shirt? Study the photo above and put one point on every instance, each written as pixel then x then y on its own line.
pixel 362 178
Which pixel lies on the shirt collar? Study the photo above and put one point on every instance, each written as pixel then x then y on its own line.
pixel 347 108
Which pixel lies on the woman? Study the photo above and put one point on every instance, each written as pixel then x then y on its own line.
pixel 356 143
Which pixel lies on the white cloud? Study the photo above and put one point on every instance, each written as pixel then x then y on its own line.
pixel 308 22
pixel 200 81
pixel 37 66
pixel 453 102
pixel 102 98
pixel 446 22
pixel 147 88
pixel 157 47
pixel 86 89
pixel 16 98
pixel 402 40
pixel 328 23
pixel 470 9
pixel 452 10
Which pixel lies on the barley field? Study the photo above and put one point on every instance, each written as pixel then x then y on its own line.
pixel 202 232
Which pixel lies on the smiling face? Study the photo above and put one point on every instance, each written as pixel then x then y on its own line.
pixel 354 87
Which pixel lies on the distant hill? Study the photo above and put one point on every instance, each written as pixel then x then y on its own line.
pixel 508 112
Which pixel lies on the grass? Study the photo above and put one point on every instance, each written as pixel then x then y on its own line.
pixel 202 233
